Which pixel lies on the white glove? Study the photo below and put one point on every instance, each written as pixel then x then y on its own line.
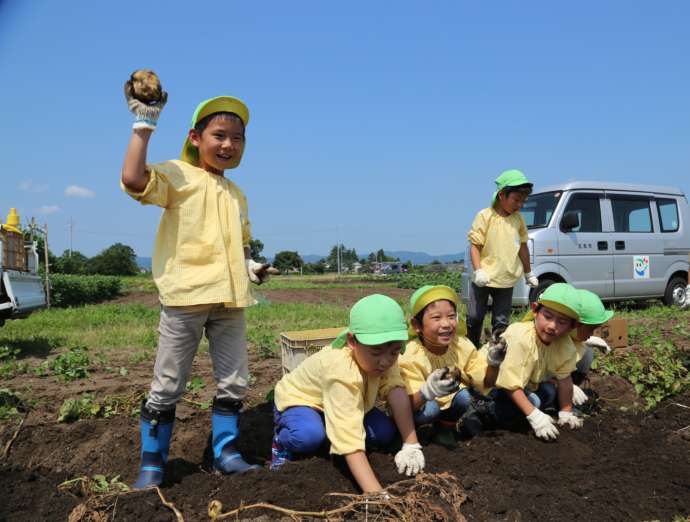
pixel 579 396
pixel 259 272
pixel 531 280
pixel 598 343
pixel 686 303
pixel 568 418
pixel 145 114
pixel 481 278
pixel 439 383
pixel 410 459
pixel 543 425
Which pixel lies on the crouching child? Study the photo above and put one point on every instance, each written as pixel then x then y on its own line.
pixel 437 349
pixel 331 396
pixel 540 349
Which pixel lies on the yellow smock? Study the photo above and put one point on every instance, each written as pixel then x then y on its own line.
pixel 198 256
pixel 499 238
pixel 529 362
pixel 417 363
pixel 331 381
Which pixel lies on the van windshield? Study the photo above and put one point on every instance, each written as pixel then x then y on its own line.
pixel 539 208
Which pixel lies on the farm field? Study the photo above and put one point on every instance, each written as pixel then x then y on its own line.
pixel 627 463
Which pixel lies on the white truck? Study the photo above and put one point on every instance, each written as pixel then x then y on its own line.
pixel 21 288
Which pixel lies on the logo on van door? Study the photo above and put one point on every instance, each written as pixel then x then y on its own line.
pixel 640 267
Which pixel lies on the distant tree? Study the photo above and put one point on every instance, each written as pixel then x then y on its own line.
pixel 117 259
pixel 435 262
pixel 381 257
pixel 256 247
pixel 348 257
pixel 76 263
pixel 287 260
pixel 315 268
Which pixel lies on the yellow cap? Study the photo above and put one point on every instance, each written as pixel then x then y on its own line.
pixel 190 154
pixel 12 222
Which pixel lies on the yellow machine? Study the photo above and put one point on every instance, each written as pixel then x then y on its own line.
pixel 21 288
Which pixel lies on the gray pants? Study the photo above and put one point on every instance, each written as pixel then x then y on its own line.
pixel 502 299
pixel 180 330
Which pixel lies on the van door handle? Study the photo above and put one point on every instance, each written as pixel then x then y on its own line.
pixel 620 245
pixel 603 245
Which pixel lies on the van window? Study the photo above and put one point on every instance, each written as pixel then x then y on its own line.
pixel 586 206
pixel 668 214
pixel 538 209
pixel 631 214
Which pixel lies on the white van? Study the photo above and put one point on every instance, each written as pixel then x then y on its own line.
pixel 619 240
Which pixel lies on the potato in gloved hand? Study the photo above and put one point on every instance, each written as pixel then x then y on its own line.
pixel 145 98
pixel 497 347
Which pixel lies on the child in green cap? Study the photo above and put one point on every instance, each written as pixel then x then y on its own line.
pixel 592 315
pixel 438 347
pixel 202 269
pixel 331 395
pixel 539 349
pixel 498 253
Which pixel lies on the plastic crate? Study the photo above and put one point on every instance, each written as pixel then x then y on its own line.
pixel 297 346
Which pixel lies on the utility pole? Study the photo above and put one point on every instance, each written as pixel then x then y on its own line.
pixel 337 238
pixel 45 256
pixel 70 236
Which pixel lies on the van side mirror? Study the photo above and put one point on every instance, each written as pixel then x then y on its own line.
pixel 569 221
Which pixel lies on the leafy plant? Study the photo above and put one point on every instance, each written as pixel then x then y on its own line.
pixel 71 365
pixel 195 384
pixel 11 404
pixel 74 290
pixel 659 373
pixel 96 484
pixel 87 406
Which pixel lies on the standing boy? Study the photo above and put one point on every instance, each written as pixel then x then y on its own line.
pixel 499 255
pixel 202 268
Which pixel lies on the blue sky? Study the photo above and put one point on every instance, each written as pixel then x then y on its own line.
pixel 379 124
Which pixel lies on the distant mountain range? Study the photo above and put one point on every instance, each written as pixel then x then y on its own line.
pixel 417 258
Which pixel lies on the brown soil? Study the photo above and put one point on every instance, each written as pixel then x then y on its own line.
pixel 622 465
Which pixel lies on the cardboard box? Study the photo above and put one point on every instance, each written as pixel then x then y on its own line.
pixel 614 332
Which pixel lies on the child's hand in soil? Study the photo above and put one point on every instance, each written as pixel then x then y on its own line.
pixel 543 425
pixel 568 418
pixel 410 459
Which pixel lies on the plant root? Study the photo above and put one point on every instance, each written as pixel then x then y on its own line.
pixel 429 497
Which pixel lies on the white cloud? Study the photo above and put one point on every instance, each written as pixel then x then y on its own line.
pixel 48 209
pixel 29 186
pixel 79 192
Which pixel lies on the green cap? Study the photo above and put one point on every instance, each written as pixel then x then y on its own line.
pixel 509 178
pixel 190 154
pixel 374 319
pixel 424 296
pixel 591 309
pixel 563 298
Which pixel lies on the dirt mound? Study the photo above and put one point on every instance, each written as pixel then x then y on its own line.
pixel 620 466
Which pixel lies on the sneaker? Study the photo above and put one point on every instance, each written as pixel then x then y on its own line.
pixel 279 455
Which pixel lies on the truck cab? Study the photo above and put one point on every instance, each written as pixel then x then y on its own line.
pixel 621 241
pixel 21 288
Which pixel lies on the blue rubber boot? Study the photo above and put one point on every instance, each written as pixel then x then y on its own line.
pixel 156 429
pixel 225 430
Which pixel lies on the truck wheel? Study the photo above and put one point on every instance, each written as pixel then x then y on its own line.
pixel 675 291
pixel 534 293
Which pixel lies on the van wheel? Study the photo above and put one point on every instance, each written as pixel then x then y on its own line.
pixel 675 292
pixel 534 293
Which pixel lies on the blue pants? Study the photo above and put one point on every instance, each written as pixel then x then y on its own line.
pixel 583 366
pixel 431 410
pixel 301 429
pixel 508 413
pixel 478 304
